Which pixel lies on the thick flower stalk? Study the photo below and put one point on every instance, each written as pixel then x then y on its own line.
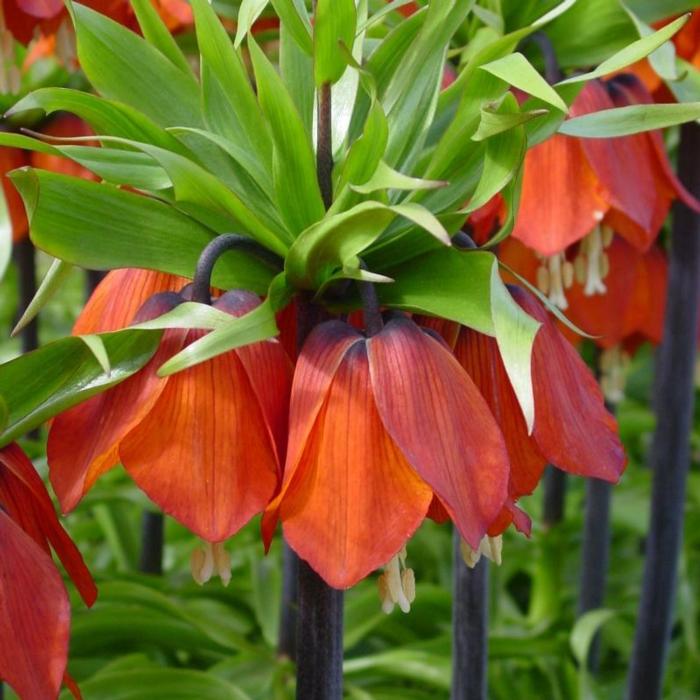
pixel 34 605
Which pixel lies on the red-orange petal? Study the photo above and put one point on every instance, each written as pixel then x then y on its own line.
pixel 480 357
pixel 625 168
pixel 34 616
pixel 204 452
pixel 10 159
pixel 269 371
pixel 119 296
pixel 622 310
pixel 441 423
pixel 316 366
pixel 24 498
pixel 561 198
pixel 355 500
pixel 573 429
pixel 83 441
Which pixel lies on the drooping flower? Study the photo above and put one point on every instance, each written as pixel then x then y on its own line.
pixel 205 444
pixel 377 427
pixel 572 186
pixel 572 430
pixel 34 605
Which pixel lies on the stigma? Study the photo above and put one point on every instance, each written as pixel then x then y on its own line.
pixel 209 560
pixel 397 584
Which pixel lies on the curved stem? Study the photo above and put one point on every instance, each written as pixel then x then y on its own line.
pixel 469 627
pixel 214 250
pixel 670 452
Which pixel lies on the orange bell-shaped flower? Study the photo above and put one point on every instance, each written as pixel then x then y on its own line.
pixel 377 427
pixel 205 444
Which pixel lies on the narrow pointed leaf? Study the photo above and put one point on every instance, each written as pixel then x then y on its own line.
pixel 248 12
pixel 114 228
pixel 51 283
pixel 123 66
pixel 623 121
pixel 98 350
pixel 293 15
pixel 516 70
pixel 43 383
pixel 631 54
pixel 386 178
pixel 258 324
pixel 294 164
pixel 157 34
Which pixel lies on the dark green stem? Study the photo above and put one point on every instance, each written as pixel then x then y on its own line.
pixel 25 261
pixel 469 627
pixel 152 538
pixel 554 501
pixel 201 284
pixel 670 451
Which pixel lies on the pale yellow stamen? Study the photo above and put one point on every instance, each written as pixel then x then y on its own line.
pixel 489 547
pixel 614 364
pixel 592 249
pixel 209 560
pixel 397 584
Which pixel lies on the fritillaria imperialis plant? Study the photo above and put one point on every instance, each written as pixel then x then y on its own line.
pixel 325 197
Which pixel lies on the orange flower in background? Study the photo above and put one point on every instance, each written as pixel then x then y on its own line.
pixel 34 605
pixel 377 427
pixel 205 444
pixel 11 159
pixel 571 185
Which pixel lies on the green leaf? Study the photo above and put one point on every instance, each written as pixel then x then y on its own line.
pixel 189 315
pixel 337 239
pixel 258 324
pixel 366 152
pixel 631 54
pixel 158 35
pixel 334 24
pixel 194 185
pixel 240 119
pixel 386 178
pixel 104 116
pixel 248 12
pixel 117 166
pixel 296 70
pixel 517 71
pixel 465 287
pixel 98 350
pixel 382 12
pixel 585 630
pixel 5 234
pixel 293 15
pixel 43 383
pixel 663 60
pixel 294 164
pixel 123 66
pixel 51 283
pixel 113 228
pixel 633 119
pixel 4 414
pixel 505 153
pixel 494 122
